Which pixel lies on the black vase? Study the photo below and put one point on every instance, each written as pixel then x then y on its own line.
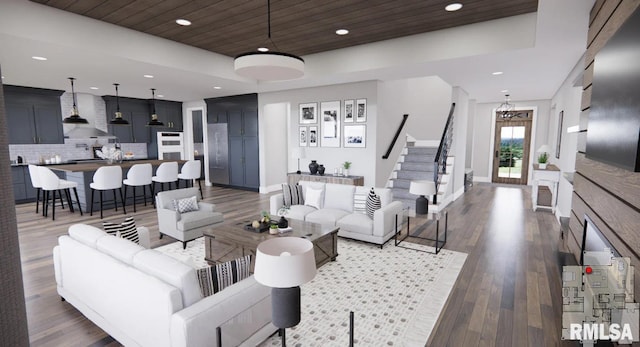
pixel 313 167
pixel 283 223
pixel 321 170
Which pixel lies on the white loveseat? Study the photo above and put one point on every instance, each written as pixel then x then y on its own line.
pixel 337 209
pixel 142 297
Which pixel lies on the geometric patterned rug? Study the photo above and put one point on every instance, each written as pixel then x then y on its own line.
pixel 396 294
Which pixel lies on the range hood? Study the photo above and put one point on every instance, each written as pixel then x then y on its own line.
pixel 83 132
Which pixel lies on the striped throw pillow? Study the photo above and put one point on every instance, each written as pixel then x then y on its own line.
pixel 292 195
pixel 126 230
pixel 186 205
pixel 360 203
pixel 373 203
pixel 217 277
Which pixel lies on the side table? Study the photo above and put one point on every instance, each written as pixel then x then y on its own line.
pixel 439 243
pixel 549 176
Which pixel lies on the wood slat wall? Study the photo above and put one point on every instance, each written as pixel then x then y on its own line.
pixel 610 196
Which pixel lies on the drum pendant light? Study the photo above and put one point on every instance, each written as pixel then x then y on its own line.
pixel 154 122
pixel 74 118
pixel 118 120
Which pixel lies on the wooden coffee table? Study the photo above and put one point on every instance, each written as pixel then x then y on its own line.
pixel 230 240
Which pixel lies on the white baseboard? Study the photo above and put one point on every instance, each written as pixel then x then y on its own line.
pixel 458 193
pixel 482 179
pixel 271 188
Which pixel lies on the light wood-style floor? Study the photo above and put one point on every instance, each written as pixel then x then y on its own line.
pixel 508 293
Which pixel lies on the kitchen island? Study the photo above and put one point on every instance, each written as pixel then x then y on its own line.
pixel 82 173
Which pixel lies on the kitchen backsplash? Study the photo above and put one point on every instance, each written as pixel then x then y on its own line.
pixel 70 150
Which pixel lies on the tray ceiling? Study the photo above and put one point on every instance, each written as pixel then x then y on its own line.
pixel 297 27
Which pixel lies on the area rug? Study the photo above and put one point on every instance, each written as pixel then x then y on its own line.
pixel 396 294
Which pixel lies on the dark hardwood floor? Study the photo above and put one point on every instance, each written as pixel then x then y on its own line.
pixel 508 293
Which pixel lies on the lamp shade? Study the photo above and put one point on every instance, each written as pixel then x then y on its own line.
pixel 269 66
pixel 298 152
pixel 422 188
pixel 544 149
pixel 285 262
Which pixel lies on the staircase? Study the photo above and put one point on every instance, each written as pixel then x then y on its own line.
pixel 416 163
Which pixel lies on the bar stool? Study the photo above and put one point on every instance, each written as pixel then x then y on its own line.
pixel 166 173
pixel 107 178
pixel 50 182
pixel 191 171
pixel 139 175
pixel 35 182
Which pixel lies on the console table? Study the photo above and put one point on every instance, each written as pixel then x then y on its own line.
pixel 293 178
pixel 550 177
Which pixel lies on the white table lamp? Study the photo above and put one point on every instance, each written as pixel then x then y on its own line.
pixel 422 188
pixel 298 153
pixel 284 263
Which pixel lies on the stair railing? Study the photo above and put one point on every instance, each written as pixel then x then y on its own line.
pixel 395 137
pixel 440 161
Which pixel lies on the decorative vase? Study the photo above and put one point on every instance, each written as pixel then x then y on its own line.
pixel 283 223
pixel 321 169
pixel 313 167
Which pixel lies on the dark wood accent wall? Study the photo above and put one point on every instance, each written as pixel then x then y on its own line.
pixel 609 195
pixel 13 320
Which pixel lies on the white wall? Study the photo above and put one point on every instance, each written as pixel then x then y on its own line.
pixel 567 99
pixel 459 144
pixel 483 132
pixel 427 100
pixel 470 123
pixel 279 161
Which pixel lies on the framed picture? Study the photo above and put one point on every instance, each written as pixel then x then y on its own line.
pixel 313 136
pixel 302 136
pixel 348 111
pixel 361 110
pixel 355 136
pixel 559 139
pixel 309 113
pixel 330 113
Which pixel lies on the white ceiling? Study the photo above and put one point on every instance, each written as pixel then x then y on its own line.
pixel 536 52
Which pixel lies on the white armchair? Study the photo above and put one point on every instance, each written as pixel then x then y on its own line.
pixel 184 226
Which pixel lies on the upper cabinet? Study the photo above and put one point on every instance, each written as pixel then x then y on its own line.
pixel 170 113
pixel 33 115
pixel 136 112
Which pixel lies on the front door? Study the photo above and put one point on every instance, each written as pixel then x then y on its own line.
pixel 511 152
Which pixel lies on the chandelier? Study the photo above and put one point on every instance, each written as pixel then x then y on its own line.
pixel 507 110
pixel 266 65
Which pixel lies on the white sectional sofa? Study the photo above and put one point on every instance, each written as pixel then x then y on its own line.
pixel 337 209
pixel 142 297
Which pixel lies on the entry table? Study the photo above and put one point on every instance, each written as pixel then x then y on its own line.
pixel 549 177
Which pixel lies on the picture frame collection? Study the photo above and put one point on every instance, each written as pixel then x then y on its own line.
pixel 320 125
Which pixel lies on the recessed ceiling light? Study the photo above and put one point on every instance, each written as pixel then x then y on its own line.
pixel 38 58
pixel 160 96
pixel 263 49
pixel 2 77
pixel 94 88
pixel 496 73
pixel 504 91
pixel 453 7
pixel 148 76
pixel 183 22
pixel 216 87
pixel 342 31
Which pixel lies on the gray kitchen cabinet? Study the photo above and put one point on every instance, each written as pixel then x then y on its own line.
pixel 23 191
pixel 137 112
pixel 33 115
pixel 240 114
pixel 197 127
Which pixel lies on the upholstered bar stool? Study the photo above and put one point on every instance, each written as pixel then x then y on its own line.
pixel 50 182
pixel 35 182
pixel 139 175
pixel 166 173
pixel 191 171
pixel 107 178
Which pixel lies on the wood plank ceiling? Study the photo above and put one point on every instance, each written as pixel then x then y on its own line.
pixel 298 27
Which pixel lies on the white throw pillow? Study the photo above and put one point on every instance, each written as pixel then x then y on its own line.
pixel 313 197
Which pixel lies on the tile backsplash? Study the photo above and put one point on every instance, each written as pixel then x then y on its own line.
pixel 70 150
